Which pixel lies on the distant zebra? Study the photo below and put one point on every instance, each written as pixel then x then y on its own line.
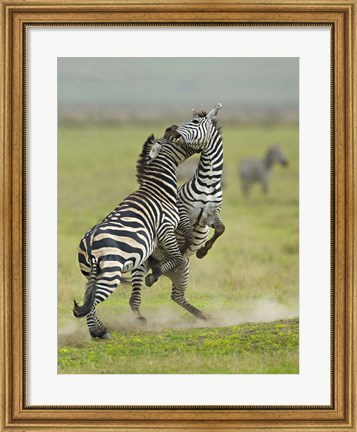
pixel 129 234
pixel 199 202
pixel 259 170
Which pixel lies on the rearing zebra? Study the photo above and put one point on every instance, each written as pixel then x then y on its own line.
pixel 126 238
pixel 199 202
pixel 201 198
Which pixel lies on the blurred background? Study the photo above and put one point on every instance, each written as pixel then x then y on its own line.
pixel 106 109
pixel 120 90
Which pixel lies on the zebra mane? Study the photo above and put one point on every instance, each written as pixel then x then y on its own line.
pixel 214 120
pixel 145 158
pixel 142 162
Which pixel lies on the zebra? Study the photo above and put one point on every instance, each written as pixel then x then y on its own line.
pixel 259 170
pixel 199 202
pixel 187 170
pixel 201 197
pixel 126 238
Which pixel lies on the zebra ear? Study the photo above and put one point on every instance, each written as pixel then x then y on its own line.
pixel 210 116
pixel 193 112
pixel 154 151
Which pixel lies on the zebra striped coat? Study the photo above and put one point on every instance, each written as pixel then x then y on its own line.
pixel 259 170
pixel 199 202
pixel 126 238
pixel 201 198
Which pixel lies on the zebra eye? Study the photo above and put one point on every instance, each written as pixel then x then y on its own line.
pixel 195 121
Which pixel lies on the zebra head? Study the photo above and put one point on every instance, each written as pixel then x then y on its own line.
pixel 275 155
pixel 161 151
pixel 167 145
pixel 198 131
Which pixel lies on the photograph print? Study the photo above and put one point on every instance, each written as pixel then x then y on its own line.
pixel 178 215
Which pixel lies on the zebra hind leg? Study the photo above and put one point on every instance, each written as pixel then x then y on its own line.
pixel 95 326
pixel 265 186
pixel 107 281
pixel 178 297
pixel 179 280
pixel 135 298
pixel 87 309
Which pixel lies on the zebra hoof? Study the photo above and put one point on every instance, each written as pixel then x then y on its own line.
pixel 150 280
pixel 142 320
pixel 203 316
pixel 100 334
pixel 201 253
pixel 106 336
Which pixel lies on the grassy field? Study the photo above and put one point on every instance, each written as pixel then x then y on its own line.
pixel 248 283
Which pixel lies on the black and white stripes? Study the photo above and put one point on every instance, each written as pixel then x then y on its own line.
pixel 201 197
pixel 157 227
pixel 127 237
pixel 199 203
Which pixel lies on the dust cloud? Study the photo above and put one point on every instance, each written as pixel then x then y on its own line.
pixel 173 317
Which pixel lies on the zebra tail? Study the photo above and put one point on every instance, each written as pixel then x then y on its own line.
pixel 89 296
pixel 125 281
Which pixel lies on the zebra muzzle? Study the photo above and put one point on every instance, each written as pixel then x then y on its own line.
pixel 172 135
pixel 180 140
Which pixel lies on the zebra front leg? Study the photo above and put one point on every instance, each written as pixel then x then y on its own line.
pixel 265 186
pixel 245 188
pixel 137 283
pixel 219 229
pixel 185 226
pixel 179 279
pixel 167 239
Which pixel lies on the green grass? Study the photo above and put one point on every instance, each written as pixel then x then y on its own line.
pixel 271 347
pixel 251 274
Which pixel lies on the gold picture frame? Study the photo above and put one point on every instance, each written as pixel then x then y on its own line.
pixel 341 16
